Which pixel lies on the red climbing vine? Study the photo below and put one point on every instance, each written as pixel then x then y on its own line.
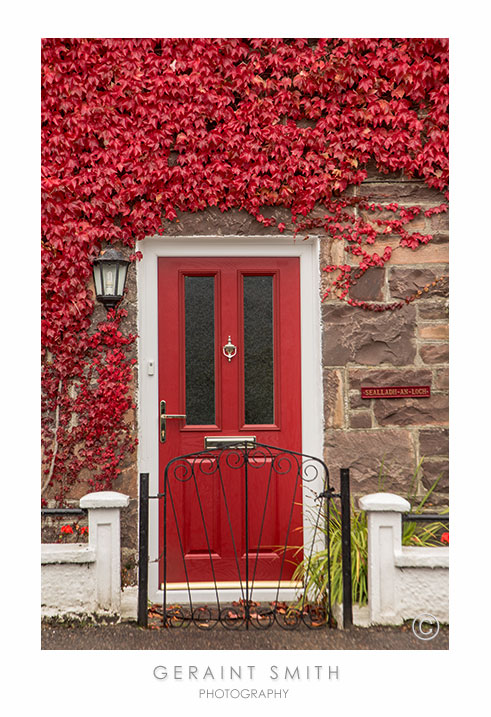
pixel 135 131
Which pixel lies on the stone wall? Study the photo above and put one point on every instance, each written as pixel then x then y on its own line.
pixel 383 441
pixel 403 347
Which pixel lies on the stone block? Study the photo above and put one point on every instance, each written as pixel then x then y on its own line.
pixel 437 223
pixel 374 174
pixel 361 419
pixel 370 286
pixel 129 603
pixel 431 470
pixel 359 377
pixel 441 381
pixel 367 338
pixel 127 480
pixel 360 614
pixel 418 224
pixel 434 353
pixel 213 222
pixel 433 442
pixel 333 398
pixel 332 252
pixel 404 282
pixel 438 500
pixel 437 332
pixel 412 411
pixel 356 401
pixel 129 526
pixel 364 452
pixel 410 192
pixel 429 309
pixel 432 253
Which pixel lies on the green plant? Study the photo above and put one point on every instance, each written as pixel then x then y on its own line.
pixel 313 570
pixel 417 533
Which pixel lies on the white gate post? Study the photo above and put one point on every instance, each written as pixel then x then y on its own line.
pixel 384 522
pixel 104 536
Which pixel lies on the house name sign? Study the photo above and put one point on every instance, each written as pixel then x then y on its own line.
pixel 395 392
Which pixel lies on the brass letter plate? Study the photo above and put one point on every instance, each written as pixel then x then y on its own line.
pixel 230 441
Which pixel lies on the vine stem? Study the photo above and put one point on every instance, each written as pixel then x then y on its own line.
pixel 55 448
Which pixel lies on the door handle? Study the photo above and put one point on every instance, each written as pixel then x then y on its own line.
pixel 163 420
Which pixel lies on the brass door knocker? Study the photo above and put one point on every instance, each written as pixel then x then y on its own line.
pixel 229 350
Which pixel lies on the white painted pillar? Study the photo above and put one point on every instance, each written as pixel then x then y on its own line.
pixel 105 537
pixel 384 542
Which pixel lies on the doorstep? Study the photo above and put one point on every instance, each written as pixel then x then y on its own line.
pixel 361 615
pixel 129 603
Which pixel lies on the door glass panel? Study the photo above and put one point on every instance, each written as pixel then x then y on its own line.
pixel 258 349
pixel 199 305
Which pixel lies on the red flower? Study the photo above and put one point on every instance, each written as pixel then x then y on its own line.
pixel 445 538
pixel 84 530
pixel 66 529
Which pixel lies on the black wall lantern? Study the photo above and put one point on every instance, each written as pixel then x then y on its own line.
pixel 110 269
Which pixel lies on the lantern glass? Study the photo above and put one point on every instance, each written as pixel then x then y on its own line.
pixel 98 279
pixel 123 268
pixel 109 278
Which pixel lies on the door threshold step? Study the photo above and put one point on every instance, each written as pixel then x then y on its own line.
pixel 234 585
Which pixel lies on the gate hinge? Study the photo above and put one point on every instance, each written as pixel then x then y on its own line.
pixel 328 493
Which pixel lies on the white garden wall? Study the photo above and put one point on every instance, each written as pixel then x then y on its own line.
pixel 403 582
pixel 80 579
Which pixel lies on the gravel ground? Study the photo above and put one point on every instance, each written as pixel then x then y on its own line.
pixel 128 636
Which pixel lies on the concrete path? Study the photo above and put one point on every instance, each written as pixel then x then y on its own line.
pixel 128 636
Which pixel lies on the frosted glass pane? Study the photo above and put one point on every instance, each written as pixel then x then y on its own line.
pixel 199 293
pixel 258 349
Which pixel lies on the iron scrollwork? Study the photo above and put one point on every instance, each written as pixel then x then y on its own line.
pixel 304 473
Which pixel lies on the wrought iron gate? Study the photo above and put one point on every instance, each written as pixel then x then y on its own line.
pixel 308 480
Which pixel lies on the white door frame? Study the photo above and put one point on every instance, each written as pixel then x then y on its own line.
pixel 148 399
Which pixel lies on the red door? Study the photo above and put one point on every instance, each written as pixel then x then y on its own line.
pixel 253 306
